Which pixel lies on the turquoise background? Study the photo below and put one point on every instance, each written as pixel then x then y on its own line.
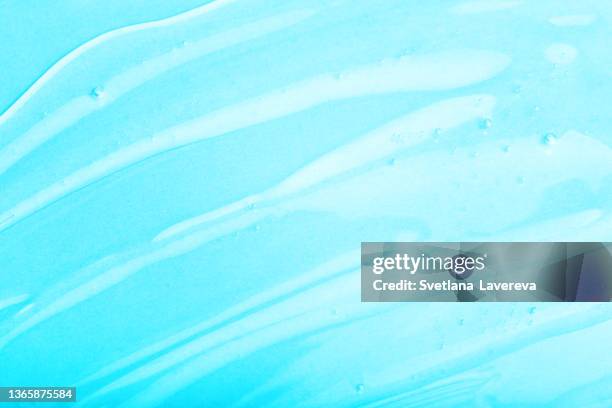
pixel 184 187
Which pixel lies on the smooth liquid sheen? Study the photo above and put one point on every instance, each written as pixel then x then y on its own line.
pixel 184 187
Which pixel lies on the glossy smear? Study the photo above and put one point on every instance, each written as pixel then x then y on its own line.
pixel 185 186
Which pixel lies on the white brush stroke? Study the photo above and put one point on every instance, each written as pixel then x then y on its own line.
pixel 391 138
pixel 324 271
pixel 13 300
pixel 484 6
pixel 572 20
pixel 83 48
pixel 430 72
pixel 122 83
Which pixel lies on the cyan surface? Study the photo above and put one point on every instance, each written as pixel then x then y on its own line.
pixel 184 187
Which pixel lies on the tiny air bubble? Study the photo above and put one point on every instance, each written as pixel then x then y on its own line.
pixel 550 139
pixel 97 92
pixel 485 123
